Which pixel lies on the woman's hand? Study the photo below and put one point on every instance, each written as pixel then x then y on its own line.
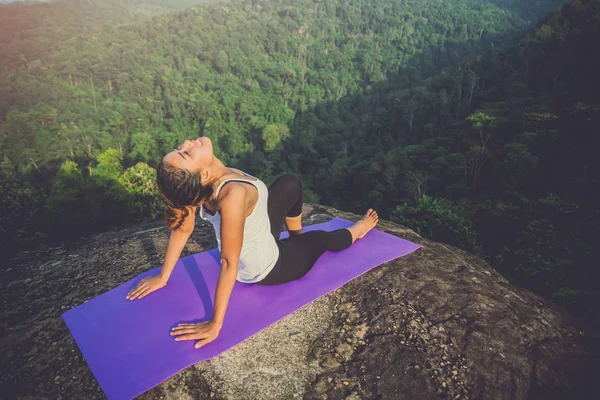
pixel 205 331
pixel 146 286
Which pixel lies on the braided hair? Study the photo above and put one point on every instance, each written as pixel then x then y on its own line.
pixel 181 188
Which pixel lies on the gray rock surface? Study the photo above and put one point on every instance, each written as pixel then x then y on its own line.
pixel 438 323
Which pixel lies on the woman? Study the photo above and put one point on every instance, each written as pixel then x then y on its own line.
pixel 247 218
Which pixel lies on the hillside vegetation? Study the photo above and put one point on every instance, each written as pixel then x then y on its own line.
pixel 458 119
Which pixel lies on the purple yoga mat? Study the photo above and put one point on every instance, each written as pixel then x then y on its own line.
pixel 128 345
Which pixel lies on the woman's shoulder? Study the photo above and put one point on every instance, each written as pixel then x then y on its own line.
pixel 242 174
pixel 233 190
pixel 237 192
pixel 234 197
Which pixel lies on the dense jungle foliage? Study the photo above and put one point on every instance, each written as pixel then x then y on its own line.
pixel 474 122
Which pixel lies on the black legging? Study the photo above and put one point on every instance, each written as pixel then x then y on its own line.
pixel 297 254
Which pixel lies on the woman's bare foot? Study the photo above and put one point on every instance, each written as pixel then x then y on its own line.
pixel 362 227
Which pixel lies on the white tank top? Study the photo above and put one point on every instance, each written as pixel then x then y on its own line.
pixel 259 249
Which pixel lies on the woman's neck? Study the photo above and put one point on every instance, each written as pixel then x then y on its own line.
pixel 219 172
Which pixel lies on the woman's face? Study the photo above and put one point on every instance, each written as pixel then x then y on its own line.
pixel 193 155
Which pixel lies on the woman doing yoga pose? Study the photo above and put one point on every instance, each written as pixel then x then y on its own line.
pixel 247 218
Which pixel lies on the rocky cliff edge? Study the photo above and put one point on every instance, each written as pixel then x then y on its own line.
pixel 438 323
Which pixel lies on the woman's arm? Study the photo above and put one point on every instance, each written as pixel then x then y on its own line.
pixel 177 241
pixel 233 218
pixel 232 204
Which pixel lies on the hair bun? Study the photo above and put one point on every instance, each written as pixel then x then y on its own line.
pixel 175 216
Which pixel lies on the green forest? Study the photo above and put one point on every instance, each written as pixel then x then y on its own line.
pixel 473 122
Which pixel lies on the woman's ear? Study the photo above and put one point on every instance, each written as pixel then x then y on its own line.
pixel 204 175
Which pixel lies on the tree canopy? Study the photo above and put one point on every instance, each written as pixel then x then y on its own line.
pixel 472 121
